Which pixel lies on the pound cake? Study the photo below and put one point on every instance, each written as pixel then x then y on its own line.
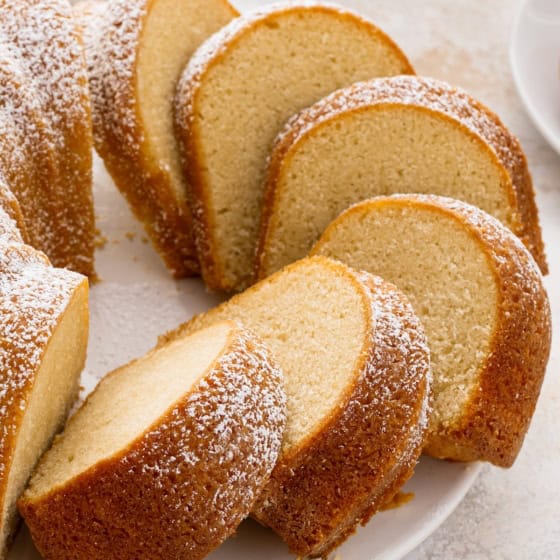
pixel 166 456
pixel 42 36
pixel 238 91
pixel 388 136
pixel 357 377
pixel 480 296
pixel 43 341
pixel 141 48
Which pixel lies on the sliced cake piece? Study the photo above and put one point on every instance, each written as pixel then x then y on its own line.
pixel 166 456
pixel 388 136
pixel 233 99
pixel 43 341
pixel 43 36
pixel 140 52
pixel 356 373
pixel 480 296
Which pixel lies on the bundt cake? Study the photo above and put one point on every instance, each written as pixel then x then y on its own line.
pixel 141 49
pixel 480 296
pixel 234 97
pixel 41 37
pixel 166 456
pixel 397 135
pixel 357 377
pixel 43 340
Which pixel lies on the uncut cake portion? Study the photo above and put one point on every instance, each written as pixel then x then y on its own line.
pixel 49 99
pixel 405 134
pixel 480 296
pixel 167 455
pixel 357 377
pixel 235 96
pixel 43 342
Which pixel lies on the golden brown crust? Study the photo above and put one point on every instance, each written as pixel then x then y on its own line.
pixel 188 91
pixel 497 417
pixel 369 448
pixel 120 137
pixel 56 200
pixel 341 474
pixel 145 503
pixel 450 103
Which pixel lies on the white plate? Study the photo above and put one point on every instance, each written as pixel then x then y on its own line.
pixel 535 61
pixel 137 300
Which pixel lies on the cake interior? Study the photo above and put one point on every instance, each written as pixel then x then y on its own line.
pixel 54 391
pixel 313 317
pixel 173 31
pixel 284 63
pixel 384 150
pixel 125 404
pixel 439 264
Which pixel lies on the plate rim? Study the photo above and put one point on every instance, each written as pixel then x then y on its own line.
pixel 529 106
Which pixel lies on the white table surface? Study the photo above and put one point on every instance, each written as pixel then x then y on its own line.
pixel 508 514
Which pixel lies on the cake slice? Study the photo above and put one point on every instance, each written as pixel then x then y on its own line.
pixel 166 456
pixel 43 37
pixel 481 299
pixel 43 341
pixel 357 378
pixel 141 48
pixel 389 136
pixel 235 96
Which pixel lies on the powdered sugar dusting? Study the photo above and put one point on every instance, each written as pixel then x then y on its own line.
pixel 400 333
pixel 89 17
pixel 41 33
pixel 246 387
pixel 41 38
pixel 111 67
pixel 9 232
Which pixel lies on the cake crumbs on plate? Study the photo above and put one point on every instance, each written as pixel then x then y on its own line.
pixel 398 500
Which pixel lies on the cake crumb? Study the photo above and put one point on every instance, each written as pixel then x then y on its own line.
pixel 398 500
pixel 130 235
pixel 100 239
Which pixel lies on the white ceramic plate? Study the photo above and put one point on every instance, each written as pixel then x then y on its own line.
pixel 535 61
pixel 137 300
